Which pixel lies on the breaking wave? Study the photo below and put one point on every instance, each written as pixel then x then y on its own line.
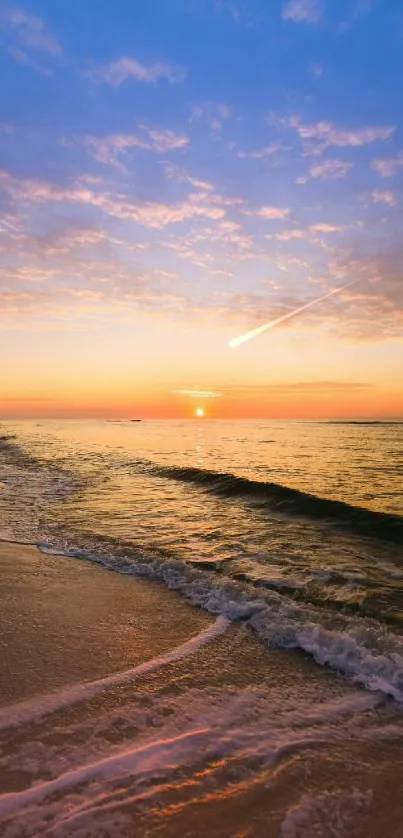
pixel 361 649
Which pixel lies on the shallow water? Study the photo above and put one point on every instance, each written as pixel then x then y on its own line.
pixel 292 530
pixel 295 526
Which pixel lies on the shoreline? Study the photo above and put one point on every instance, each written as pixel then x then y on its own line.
pixel 64 620
pixel 127 712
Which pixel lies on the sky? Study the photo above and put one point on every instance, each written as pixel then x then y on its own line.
pixel 175 173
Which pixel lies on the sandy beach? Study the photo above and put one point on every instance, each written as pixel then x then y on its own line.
pixel 124 711
pixel 64 620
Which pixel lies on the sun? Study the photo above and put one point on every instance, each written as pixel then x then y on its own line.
pixel 199 412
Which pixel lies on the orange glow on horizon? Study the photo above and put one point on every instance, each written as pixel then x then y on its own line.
pixel 257 402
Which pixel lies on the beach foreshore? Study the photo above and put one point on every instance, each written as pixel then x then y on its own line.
pixel 65 620
pixel 124 711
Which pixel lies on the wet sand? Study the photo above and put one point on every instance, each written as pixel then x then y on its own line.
pixel 228 739
pixel 64 620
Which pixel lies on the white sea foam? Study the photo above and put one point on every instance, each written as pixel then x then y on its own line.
pixel 361 649
pixel 328 814
pixel 140 761
pixel 245 729
pixel 35 708
pixel 243 725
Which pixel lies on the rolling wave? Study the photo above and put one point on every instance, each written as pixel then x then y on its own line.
pixel 283 499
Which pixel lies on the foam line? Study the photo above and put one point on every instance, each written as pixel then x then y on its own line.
pixel 40 706
pixel 136 761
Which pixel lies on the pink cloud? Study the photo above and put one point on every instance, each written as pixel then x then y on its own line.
pixel 387 166
pixel 116 72
pixel 288 235
pixel 165 140
pixel 180 174
pixel 109 148
pixel 151 214
pixel 27 274
pixel 301 233
pixel 325 228
pixel 327 170
pixel 321 135
pixel 384 197
pixel 268 212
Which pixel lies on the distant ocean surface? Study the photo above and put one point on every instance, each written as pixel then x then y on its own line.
pixel 295 527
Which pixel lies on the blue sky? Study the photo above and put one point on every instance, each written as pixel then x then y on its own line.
pixel 176 167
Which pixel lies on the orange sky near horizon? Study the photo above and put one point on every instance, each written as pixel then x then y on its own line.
pixel 320 401
pixel 168 183
pixel 167 370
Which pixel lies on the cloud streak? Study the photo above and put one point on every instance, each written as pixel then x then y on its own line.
pixel 197 394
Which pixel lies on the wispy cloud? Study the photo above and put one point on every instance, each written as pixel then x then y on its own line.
pixel 22 57
pixel 64 242
pixel 387 166
pixel 152 214
pixel 268 212
pixel 180 174
pixel 289 235
pixel 27 273
pixel 322 227
pixel 240 11
pixel 318 136
pixel 294 386
pixel 29 30
pixel 385 196
pixel 214 113
pixel 198 394
pixel 165 140
pixel 356 10
pixel 327 170
pixel 306 233
pixel 110 148
pixel 261 153
pixel 302 11
pixel 223 241
pixel 116 72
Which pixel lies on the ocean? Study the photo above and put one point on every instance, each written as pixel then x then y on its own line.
pixel 289 535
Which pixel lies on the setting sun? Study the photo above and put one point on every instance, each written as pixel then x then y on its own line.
pixel 199 412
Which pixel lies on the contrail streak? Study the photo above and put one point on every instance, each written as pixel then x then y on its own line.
pixel 9 225
pixel 254 333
